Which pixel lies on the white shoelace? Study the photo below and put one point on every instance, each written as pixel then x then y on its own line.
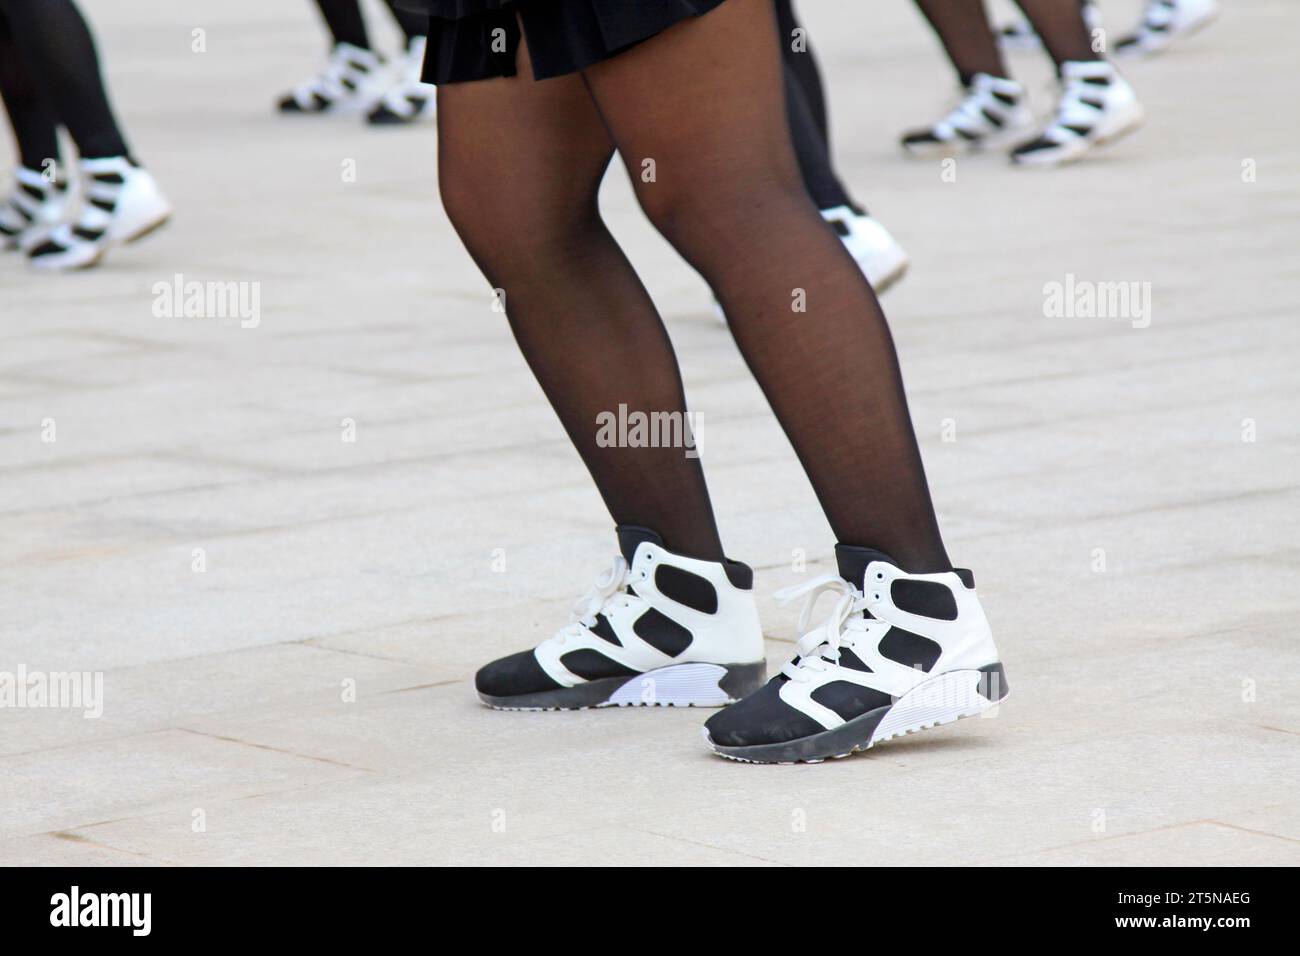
pixel 825 641
pixel 609 592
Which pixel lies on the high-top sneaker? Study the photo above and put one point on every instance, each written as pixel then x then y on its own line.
pixel 877 253
pixel 1020 34
pixel 408 99
pixel 658 629
pixel 1097 106
pixel 348 84
pixel 900 652
pixel 1163 22
pixel 33 208
pixel 121 203
pixel 991 113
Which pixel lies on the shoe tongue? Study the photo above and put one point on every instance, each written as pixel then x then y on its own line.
pixel 630 535
pixel 853 562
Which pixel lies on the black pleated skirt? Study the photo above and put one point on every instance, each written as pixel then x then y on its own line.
pixel 478 39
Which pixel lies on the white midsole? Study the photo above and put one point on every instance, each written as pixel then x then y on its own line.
pixel 678 685
pixel 939 700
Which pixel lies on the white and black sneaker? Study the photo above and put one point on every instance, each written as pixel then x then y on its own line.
pixel 877 253
pixel 33 207
pixel 120 202
pixel 1165 21
pixel 1097 106
pixel 1020 34
pixel 900 652
pixel 658 629
pixel 408 99
pixel 350 83
pixel 991 113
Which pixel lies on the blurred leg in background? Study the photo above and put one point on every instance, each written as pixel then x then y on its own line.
pixel 1020 34
pixel 39 192
pixel 879 255
pixel 1096 104
pixel 53 76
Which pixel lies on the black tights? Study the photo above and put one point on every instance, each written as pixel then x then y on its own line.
pixel 806 106
pixel 49 77
pixel 520 163
pixel 347 24
pixel 963 28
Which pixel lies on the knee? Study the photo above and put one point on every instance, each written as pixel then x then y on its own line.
pixel 489 219
pixel 669 209
pixel 501 222
pixel 470 204
pixel 704 217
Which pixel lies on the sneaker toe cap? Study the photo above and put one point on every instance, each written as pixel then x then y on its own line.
pixel 512 675
pixel 923 137
pixel 761 718
pixel 46 248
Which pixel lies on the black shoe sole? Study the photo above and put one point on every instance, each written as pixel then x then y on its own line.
pixel 954 701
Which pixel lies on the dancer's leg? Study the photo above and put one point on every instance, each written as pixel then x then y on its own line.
pixel 57 47
pixel 803 64
pixel 728 196
pixel 806 108
pixel 962 26
pixel 1061 27
pixel 878 253
pixel 36 198
pixel 519 164
pixel 33 120
pixel 345 22
pixel 412 24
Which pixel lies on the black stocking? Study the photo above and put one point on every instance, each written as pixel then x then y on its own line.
pixel 532 155
pixel 728 196
pixel 803 66
pixel 345 22
pixel 806 107
pixel 57 49
pixel 412 24
pixel 962 26
pixel 33 120
pixel 1060 25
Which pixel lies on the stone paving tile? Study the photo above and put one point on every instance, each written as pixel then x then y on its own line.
pixel 1281 820
pixel 178 770
pixel 1204 843
pixel 178 692
pixel 65 849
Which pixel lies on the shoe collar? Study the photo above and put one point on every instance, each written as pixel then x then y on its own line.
pixel 1086 70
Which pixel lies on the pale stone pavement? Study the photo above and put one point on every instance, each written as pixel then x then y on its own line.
pixel 307 697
